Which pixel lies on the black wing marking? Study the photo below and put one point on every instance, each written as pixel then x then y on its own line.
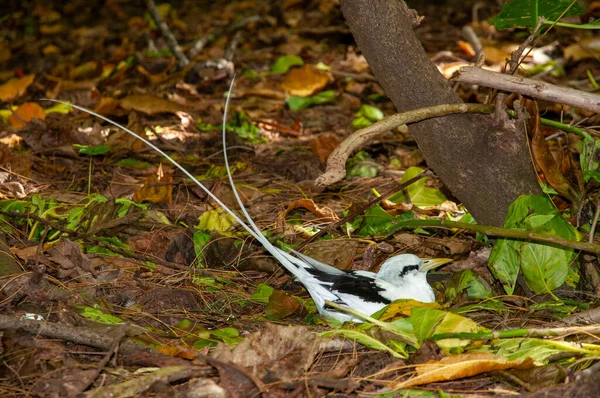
pixel 350 283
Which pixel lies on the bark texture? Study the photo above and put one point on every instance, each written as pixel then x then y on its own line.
pixel 483 161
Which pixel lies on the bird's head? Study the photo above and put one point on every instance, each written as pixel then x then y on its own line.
pixel 397 268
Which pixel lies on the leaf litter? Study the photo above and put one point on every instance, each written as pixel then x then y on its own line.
pixel 176 269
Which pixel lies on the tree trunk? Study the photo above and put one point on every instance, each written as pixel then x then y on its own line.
pixel 484 162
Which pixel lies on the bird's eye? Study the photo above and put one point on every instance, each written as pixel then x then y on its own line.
pixel 408 269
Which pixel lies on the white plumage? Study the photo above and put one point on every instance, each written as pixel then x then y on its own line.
pixel 400 277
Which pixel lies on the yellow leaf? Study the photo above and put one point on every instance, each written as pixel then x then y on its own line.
pixel 15 88
pixel 404 307
pixel 305 81
pixel 460 366
pixel 25 113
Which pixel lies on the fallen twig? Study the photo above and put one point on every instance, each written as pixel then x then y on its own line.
pixel 182 60
pixel 78 335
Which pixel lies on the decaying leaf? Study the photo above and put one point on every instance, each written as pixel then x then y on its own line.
pixel 149 104
pixel 156 189
pixel 460 366
pixel 275 352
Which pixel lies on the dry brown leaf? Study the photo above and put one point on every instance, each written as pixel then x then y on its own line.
pixel 323 145
pixel 25 113
pixel 149 104
pixel 15 88
pixel 460 366
pixel 281 305
pixel 156 189
pixel 5 54
pixel 305 81
pixel 544 159
pixel 106 105
pixel 279 352
pixel 324 213
pixel 585 48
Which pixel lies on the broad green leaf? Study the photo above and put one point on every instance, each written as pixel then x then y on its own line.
pixel 284 63
pixel 544 267
pixel 425 321
pixel 525 13
pixel 419 194
pixel 296 103
pixel 429 322
pixel 504 263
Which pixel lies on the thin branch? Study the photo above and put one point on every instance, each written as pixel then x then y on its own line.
pixel 530 87
pixel 182 60
pixel 336 164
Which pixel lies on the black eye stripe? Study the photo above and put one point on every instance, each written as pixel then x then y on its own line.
pixel 408 269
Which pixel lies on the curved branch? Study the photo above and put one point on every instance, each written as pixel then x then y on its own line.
pixel 336 164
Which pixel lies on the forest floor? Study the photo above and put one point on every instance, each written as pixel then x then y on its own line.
pixel 104 239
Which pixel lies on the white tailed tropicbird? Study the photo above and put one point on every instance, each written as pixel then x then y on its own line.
pixel 400 277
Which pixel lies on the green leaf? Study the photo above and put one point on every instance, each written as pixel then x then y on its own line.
pixel 228 335
pixel 419 194
pixel 544 267
pixel 215 220
pixel 92 150
pixel 243 126
pixel 361 122
pixel 468 281
pixel 425 321
pixel 589 149
pixel 366 340
pixel 97 315
pixel 370 112
pixel 284 63
pixel 428 322
pixel 378 222
pixel 131 163
pixel 540 350
pixel 262 294
pixel 525 13
pixel 296 103
pixel 361 165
